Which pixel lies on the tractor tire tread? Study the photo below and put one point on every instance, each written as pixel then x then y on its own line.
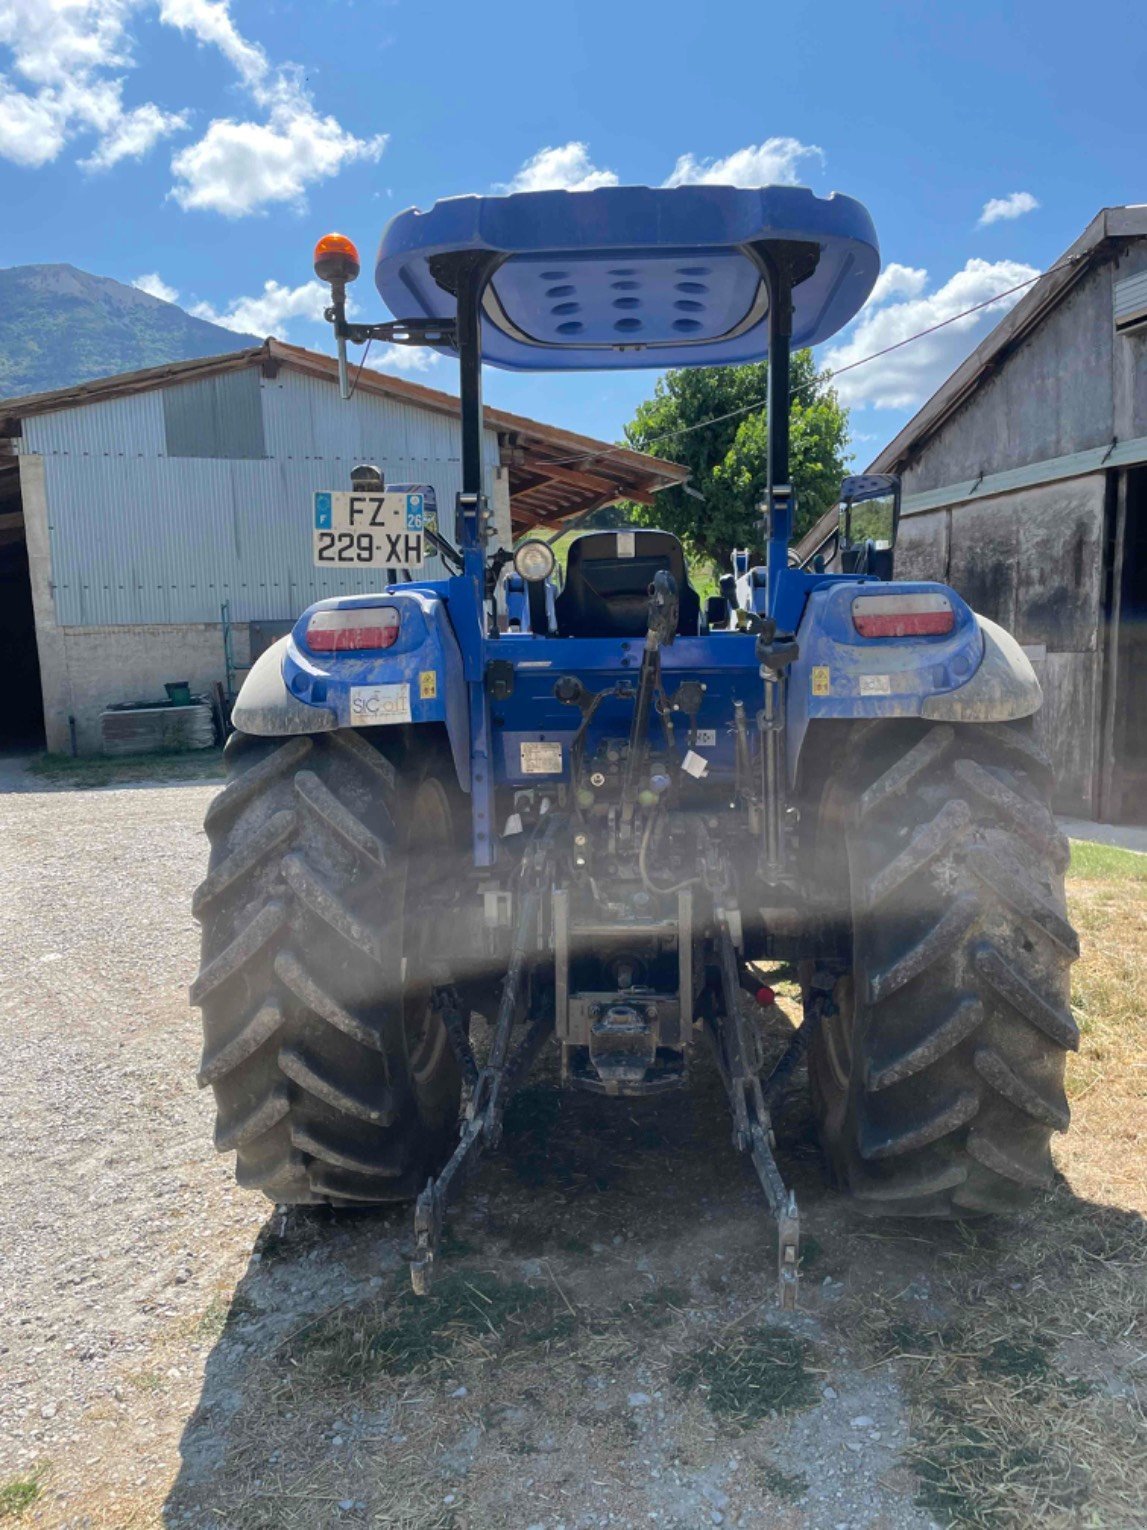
pixel 301 978
pixel 938 1078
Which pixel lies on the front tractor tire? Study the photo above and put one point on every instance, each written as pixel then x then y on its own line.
pixel 333 1077
pixel 937 1065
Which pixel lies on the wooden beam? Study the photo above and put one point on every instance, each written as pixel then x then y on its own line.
pixel 592 481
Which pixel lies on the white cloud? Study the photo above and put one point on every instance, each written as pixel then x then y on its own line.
pixel 210 22
pixel 133 135
pixel 568 168
pixel 906 377
pixel 277 307
pixel 155 286
pixel 66 79
pixel 270 311
pixel 33 129
pixel 70 56
pixel 776 162
pixel 239 167
pixel 242 166
pixel 1001 208
pixel 404 358
pixel 898 281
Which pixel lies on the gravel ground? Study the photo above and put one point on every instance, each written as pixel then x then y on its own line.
pixel 115 1218
pixel 175 1352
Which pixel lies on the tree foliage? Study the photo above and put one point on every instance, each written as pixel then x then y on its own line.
pixel 727 457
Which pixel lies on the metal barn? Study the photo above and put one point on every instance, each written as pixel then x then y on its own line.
pixel 155 526
pixel 1025 484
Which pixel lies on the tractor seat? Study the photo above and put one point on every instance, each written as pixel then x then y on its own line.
pixel 608 574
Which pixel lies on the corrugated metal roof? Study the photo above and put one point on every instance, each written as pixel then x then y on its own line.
pixel 632 472
pixel 208 408
pixel 1103 233
pixel 138 536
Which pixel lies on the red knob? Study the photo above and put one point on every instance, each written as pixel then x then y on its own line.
pixel 765 996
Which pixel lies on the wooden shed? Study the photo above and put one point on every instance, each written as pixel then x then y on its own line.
pixel 1025 484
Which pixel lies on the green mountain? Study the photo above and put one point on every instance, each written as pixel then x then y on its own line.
pixel 60 326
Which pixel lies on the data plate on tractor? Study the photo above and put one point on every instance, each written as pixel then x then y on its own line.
pixel 368 530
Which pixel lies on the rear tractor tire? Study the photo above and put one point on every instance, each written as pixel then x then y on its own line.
pixel 334 1080
pixel 937 1066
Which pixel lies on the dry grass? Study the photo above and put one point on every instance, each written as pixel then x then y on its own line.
pixel 1103 1156
pixel 1027 1375
pixel 84 771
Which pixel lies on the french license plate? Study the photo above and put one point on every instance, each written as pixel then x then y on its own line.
pixel 369 530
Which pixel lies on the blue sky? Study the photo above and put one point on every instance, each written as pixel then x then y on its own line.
pixel 203 145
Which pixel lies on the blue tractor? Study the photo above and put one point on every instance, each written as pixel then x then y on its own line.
pixel 584 811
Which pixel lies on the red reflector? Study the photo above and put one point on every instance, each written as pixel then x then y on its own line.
pixel 902 615
pixel 353 630
pixel 765 996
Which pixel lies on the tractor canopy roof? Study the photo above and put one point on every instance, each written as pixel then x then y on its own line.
pixel 631 276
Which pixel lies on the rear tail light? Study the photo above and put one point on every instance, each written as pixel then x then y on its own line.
pixel 351 630
pixel 876 616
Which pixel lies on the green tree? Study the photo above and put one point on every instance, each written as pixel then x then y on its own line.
pixel 727 457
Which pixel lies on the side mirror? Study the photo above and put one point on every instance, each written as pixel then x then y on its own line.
pixel 869 521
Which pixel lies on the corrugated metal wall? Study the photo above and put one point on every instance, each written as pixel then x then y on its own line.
pixel 138 536
pixel 220 416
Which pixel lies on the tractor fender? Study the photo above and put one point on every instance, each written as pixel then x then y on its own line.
pixel 977 672
pixel 1004 687
pixel 266 707
pixel 416 682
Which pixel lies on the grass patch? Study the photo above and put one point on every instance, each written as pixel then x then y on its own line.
pixel 146 1381
pixel 1022 1359
pixel 751 1375
pixel 1021 1388
pixel 963 1469
pixel 469 1314
pixel 221 1311
pixel 1091 861
pixel 1002 1438
pixel 18 1494
pixel 787 1485
pixel 84 772
pixel 1106 1079
pixel 656 1308
pixel 563 1325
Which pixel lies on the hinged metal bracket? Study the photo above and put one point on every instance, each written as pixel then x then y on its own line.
pixel 395 331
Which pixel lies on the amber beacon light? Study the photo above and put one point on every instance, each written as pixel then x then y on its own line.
pixel 337 262
pixel 336 259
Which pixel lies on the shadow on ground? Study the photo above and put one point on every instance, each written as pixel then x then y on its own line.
pixel 602 1342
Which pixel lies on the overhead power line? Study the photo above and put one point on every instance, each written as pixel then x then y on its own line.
pixel 821 377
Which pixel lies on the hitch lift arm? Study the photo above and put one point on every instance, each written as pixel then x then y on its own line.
pixel 494 1083
pixel 738 1060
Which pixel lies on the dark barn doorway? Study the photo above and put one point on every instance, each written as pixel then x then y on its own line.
pixel 1126 773
pixel 22 715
